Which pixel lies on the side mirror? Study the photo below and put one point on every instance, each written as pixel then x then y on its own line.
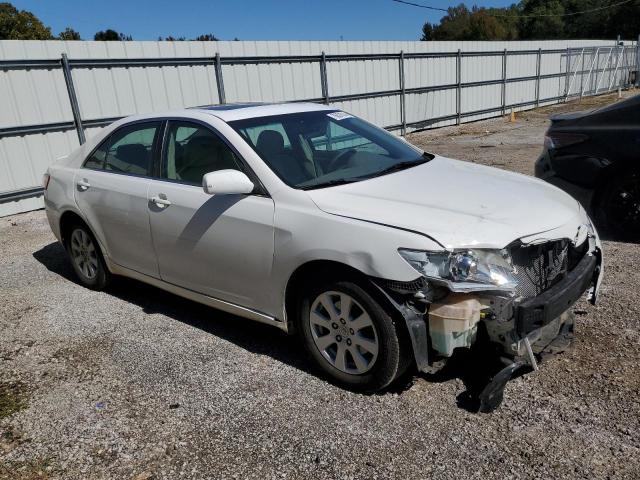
pixel 226 182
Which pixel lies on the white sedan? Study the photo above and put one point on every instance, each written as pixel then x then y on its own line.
pixel 310 219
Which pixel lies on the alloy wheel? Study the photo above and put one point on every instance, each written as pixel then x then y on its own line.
pixel 624 203
pixel 343 332
pixel 83 253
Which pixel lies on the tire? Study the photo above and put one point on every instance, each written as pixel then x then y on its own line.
pixel 618 206
pixel 86 258
pixel 360 348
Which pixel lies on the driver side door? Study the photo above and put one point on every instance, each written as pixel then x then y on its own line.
pixel 218 245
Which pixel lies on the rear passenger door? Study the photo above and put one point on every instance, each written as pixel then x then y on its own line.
pixel 111 192
pixel 219 245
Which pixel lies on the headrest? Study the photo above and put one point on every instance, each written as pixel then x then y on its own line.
pixel 126 152
pixel 201 150
pixel 270 141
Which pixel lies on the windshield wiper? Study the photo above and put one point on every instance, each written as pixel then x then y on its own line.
pixel 331 183
pixel 400 166
pixel 393 168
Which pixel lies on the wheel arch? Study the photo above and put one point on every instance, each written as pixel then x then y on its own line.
pixel 608 173
pixel 67 220
pixel 331 269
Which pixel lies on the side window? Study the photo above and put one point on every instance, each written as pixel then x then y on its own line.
pixel 192 151
pixel 131 149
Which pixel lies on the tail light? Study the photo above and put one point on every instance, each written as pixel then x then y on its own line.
pixel 554 140
pixel 45 180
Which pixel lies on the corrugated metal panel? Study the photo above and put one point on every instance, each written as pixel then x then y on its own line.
pixel 39 96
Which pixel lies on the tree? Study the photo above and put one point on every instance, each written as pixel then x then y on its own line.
pixel 21 25
pixel 110 35
pixel 625 20
pixel 542 19
pixel 538 19
pixel 455 25
pixel 69 34
pixel 479 23
pixel 427 32
pixel 208 37
pixel 492 24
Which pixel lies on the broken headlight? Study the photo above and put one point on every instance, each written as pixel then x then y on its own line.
pixel 464 270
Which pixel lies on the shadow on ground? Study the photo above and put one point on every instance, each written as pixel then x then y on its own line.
pixel 252 336
pixel 256 337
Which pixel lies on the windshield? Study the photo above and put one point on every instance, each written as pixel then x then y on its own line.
pixel 323 148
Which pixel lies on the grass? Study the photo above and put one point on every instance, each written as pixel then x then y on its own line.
pixel 33 470
pixel 13 398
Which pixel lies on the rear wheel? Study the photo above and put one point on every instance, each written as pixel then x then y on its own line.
pixel 618 209
pixel 86 258
pixel 351 337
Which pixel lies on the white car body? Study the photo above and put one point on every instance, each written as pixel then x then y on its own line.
pixel 239 253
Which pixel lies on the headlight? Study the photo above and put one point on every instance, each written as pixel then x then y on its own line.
pixel 465 270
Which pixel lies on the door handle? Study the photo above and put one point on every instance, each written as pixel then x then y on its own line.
pixel 161 201
pixel 83 185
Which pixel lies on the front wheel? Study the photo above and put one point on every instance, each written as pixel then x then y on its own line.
pixel 351 337
pixel 618 209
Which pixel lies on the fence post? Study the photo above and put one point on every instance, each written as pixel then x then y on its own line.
pixel 504 81
pixel 324 85
pixel 220 81
pixel 568 72
pixel 582 72
pixel 73 99
pixel 538 77
pixel 459 87
pixel 403 105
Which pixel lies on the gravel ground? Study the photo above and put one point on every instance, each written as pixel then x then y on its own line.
pixel 137 383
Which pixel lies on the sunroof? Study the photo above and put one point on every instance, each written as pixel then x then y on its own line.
pixel 231 106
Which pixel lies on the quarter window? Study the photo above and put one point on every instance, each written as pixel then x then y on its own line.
pixel 96 160
pixel 192 151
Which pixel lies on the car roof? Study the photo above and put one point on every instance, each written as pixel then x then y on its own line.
pixel 240 111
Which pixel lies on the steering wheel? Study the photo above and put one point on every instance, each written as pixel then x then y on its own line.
pixel 341 160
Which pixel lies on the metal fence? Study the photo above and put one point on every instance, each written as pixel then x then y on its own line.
pixel 518 79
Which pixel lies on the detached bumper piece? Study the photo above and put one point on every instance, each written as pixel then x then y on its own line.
pixel 539 311
pixel 491 396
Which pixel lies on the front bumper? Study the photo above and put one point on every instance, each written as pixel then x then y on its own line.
pixel 537 312
pixel 504 322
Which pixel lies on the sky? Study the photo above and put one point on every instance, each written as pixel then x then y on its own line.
pixel 244 19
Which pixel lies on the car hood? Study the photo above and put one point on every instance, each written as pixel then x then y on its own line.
pixel 458 204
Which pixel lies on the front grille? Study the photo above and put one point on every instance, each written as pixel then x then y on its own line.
pixel 406 287
pixel 539 267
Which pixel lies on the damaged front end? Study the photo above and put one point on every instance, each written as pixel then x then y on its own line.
pixel 513 304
